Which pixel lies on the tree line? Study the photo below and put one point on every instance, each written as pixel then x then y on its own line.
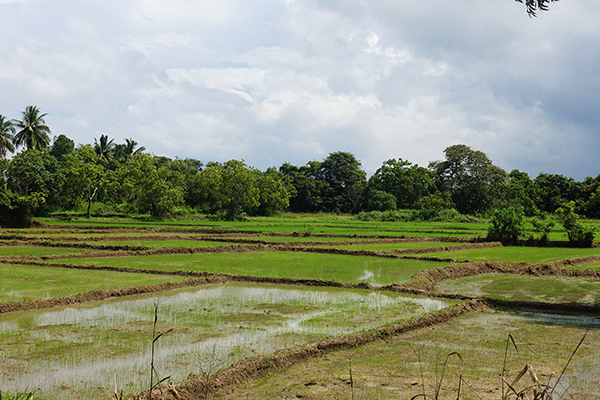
pixel 48 176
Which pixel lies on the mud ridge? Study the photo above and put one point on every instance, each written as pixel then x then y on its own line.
pixel 428 279
pixel 255 367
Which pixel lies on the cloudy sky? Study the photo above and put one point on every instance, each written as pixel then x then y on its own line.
pixel 273 81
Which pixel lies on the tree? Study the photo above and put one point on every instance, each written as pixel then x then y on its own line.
pixel 273 195
pixel 378 200
pixel 83 176
pixel 15 210
pixel 124 151
pixel 62 146
pixel 406 181
pixel 474 183
pixel 7 137
pixel 306 192
pixel 206 194
pixel 238 190
pixel 104 148
pixel 523 190
pixel 34 171
pixel 140 184
pixel 344 181
pixel 554 190
pixel 33 132
pixel 535 5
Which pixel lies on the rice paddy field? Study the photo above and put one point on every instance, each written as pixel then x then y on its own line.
pixel 295 306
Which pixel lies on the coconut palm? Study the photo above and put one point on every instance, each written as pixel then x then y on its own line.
pixel 104 148
pixel 130 149
pixel 7 137
pixel 123 152
pixel 33 132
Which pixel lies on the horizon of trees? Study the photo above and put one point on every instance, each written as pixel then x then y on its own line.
pixel 45 177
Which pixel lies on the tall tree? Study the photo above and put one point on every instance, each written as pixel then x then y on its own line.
pixel 61 147
pixel 474 183
pixel 83 176
pixel 345 182
pixel 7 131
pixel 104 148
pixel 125 151
pixel 34 171
pixel 406 181
pixel 33 132
pixel 554 191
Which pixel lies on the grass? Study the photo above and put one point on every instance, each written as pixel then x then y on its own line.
pixel 23 282
pixel 342 268
pixel 526 288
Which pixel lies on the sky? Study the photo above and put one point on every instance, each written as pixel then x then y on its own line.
pixel 274 81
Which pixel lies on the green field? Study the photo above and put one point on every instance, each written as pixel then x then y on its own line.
pixel 112 338
pixel 343 268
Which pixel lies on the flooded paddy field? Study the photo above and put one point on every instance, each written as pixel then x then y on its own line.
pixel 549 289
pixel 73 351
pixel 32 282
pixel 397 368
pixel 344 268
pixel 77 350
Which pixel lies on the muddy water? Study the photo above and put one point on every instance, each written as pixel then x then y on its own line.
pixel 74 352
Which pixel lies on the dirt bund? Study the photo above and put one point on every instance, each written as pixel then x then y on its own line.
pixel 256 367
pixel 428 279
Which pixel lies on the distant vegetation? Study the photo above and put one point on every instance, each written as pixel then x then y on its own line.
pixel 107 178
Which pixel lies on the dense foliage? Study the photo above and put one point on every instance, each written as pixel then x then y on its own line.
pixel 121 177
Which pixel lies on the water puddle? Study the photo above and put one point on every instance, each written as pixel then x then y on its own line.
pixel 75 351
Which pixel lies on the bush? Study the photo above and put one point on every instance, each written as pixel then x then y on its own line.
pixel 578 234
pixel 508 224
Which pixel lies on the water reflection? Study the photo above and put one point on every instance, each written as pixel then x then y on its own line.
pixel 208 331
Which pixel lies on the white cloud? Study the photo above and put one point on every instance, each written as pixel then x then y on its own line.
pixel 292 80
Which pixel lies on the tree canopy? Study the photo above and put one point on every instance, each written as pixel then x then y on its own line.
pixel 533 6
pixel 33 133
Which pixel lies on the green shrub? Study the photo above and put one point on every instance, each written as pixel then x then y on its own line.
pixel 508 224
pixel 578 234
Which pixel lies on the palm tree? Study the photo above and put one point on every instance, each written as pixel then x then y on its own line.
pixel 7 137
pixel 104 148
pixel 33 132
pixel 130 146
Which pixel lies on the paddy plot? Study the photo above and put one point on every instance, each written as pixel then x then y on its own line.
pixel 77 350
